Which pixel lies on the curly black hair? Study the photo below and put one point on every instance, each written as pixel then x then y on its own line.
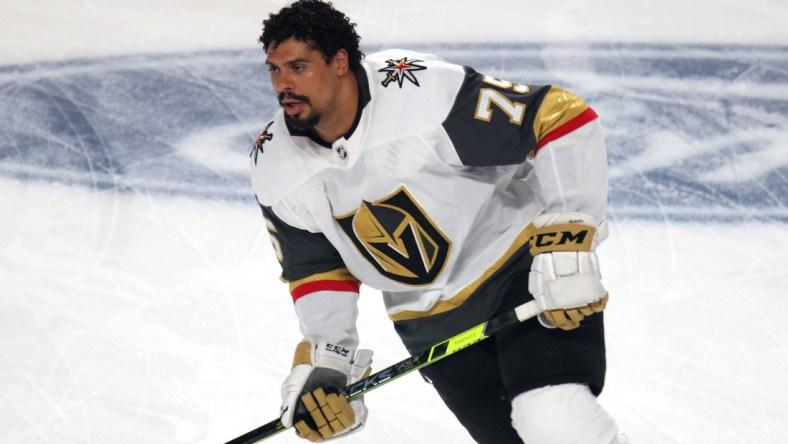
pixel 317 23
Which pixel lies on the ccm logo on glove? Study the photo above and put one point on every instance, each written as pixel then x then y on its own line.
pixel 341 351
pixel 562 237
pixel 547 239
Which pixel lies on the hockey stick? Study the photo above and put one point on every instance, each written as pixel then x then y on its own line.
pixel 436 352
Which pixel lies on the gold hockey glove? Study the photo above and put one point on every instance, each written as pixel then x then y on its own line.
pixel 312 399
pixel 565 280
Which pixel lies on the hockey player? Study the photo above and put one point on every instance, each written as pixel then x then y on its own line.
pixel 456 194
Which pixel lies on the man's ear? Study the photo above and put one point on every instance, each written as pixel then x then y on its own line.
pixel 341 62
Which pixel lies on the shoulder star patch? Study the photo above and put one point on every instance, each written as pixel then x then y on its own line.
pixel 261 139
pixel 400 69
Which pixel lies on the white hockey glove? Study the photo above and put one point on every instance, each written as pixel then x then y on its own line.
pixel 312 399
pixel 564 277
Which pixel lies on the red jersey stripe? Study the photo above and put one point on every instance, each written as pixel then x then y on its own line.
pixel 311 287
pixel 578 121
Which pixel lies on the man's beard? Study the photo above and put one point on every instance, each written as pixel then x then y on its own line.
pixel 302 124
pixel 296 122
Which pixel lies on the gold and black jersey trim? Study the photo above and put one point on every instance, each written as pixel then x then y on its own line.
pixel 458 299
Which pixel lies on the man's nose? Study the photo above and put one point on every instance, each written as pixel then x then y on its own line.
pixel 283 82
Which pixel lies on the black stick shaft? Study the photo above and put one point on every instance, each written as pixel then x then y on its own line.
pixel 413 363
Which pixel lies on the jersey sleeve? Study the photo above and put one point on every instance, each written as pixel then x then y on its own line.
pixel 571 172
pixel 495 122
pixel 309 261
pixel 324 292
pixel 570 156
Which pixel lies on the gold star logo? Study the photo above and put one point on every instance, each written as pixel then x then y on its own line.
pixel 400 69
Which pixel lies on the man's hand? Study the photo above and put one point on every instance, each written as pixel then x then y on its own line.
pixel 565 278
pixel 312 398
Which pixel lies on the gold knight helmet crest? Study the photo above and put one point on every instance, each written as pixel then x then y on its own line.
pixel 398 238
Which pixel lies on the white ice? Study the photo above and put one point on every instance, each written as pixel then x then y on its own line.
pixel 136 318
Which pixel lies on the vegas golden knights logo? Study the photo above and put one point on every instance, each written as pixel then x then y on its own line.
pixel 398 238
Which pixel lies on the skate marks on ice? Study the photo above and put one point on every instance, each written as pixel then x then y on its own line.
pixel 694 131
pixel 133 297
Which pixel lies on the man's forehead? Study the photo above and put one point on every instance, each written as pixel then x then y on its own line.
pixel 291 48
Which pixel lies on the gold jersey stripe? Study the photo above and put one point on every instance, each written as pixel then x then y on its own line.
pixel 457 300
pixel 558 107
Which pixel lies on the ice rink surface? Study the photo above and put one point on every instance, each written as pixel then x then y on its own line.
pixel 140 297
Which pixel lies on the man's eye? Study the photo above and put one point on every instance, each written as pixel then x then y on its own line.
pixel 273 69
pixel 298 68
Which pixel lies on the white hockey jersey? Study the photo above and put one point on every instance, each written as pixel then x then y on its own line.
pixel 429 194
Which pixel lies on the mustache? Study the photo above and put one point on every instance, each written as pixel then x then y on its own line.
pixel 292 96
